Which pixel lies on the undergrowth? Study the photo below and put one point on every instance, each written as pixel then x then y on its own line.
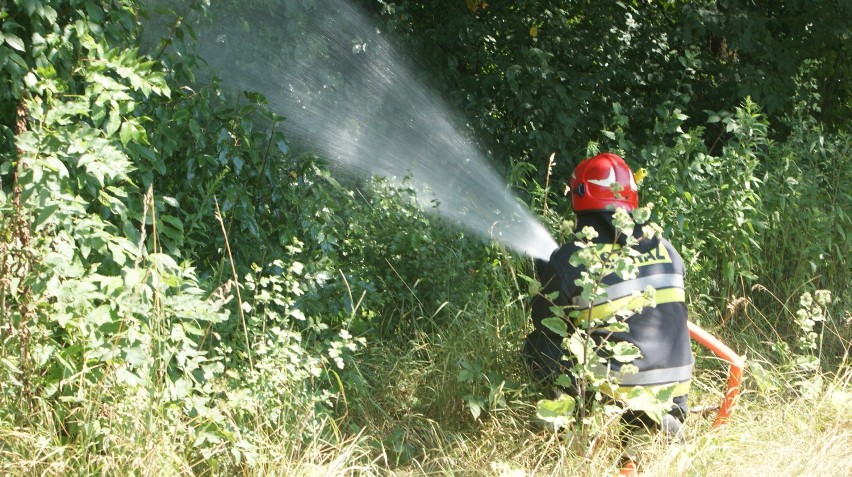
pixel 456 401
pixel 182 292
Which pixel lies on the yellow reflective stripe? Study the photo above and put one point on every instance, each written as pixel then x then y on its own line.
pixel 658 255
pixel 658 281
pixel 633 303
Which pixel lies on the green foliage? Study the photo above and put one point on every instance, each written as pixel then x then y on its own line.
pixel 538 77
pixel 807 207
pixel 758 49
pixel 705 201
pixel 812 310
pixel 542 76
pixel 165 248
pixel 120 268
pixel 95 316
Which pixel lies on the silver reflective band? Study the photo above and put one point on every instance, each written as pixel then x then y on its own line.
pixel 625 288
pixel 650 377
pixel 657 376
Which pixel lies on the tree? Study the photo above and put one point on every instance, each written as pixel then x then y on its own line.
pixel 540 77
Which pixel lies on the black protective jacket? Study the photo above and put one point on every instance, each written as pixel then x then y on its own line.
pixel 659 332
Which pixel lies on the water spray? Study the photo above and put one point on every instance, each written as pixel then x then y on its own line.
pixel 352 98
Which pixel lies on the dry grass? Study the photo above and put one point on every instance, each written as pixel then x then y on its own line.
pixel 773 436
pixel 408 418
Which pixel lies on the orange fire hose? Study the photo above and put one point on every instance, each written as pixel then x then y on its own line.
pixel 735 378
pixel 735 370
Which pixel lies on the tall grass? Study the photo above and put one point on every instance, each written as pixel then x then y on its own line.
pixel 420 399
pixel 409 412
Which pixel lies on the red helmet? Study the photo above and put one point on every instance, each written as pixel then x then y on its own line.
pixel 591 184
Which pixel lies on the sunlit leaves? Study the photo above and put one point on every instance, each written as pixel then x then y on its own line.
pixel 624 352
pixel 556 325
pixel 558 412
pixel 14 41
pixel 653 401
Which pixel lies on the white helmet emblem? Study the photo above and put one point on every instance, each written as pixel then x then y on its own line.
pixel 606 182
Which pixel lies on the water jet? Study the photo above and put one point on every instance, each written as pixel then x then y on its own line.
pixel 353 99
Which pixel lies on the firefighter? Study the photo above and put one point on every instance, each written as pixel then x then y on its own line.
pixel 659 332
